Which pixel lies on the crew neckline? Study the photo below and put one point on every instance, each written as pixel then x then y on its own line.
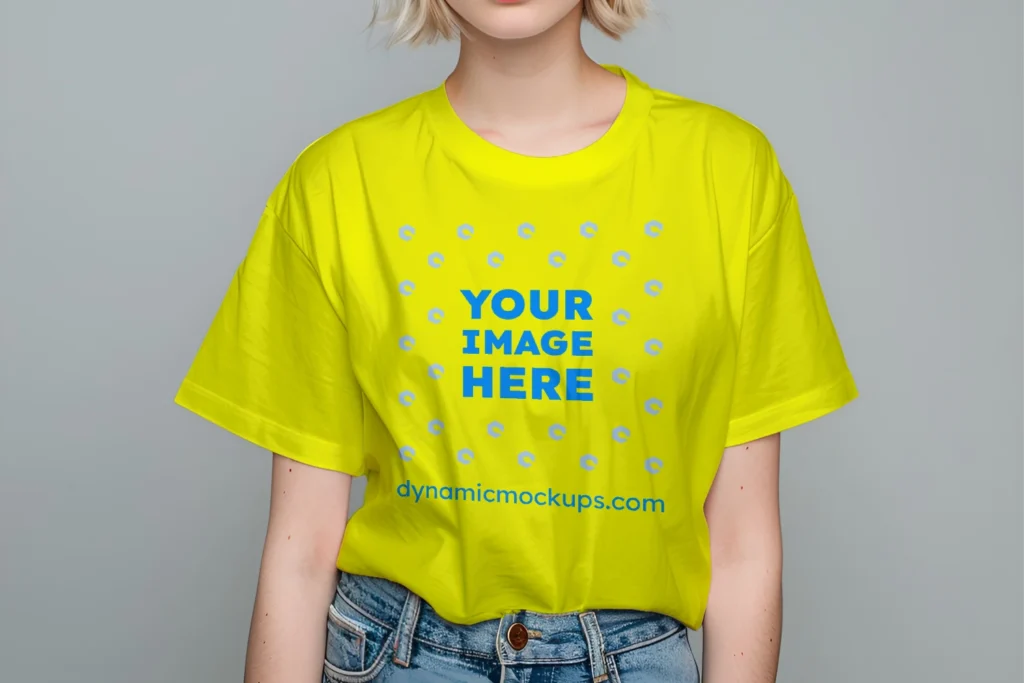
pixel 459 140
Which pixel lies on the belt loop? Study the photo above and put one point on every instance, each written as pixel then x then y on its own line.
pixel 406 628
pixel 595 646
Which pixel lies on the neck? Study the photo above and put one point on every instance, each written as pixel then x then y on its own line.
pixel 521 80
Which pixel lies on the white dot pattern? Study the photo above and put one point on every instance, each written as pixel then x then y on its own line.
pixel 621 317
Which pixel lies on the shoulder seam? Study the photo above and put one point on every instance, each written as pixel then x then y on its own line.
pixel 775 223
pixel 309 262
pixel 291 238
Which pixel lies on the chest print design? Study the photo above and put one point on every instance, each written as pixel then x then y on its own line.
pixel 489 370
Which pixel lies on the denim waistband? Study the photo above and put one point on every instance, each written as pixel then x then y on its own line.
pixel 568 638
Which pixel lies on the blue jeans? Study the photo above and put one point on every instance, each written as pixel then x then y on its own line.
pixel 379 631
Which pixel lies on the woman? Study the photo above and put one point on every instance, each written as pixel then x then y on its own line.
pixel 558 319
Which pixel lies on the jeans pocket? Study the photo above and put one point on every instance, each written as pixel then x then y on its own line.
pixel 356 645
pixel 664 660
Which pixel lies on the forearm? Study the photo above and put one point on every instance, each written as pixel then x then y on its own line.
pixel 288 629
pixel 743 624
pixel 298 574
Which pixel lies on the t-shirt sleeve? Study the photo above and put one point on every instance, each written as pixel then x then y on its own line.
pixel 790 368
pixel 274 367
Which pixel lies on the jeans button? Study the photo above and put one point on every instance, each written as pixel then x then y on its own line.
pixel 517 636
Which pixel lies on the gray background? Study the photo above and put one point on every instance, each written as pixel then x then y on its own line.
pixel 139 141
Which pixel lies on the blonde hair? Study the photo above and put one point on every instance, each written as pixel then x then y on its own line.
pixel 427 21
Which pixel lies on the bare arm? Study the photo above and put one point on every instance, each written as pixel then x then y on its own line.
pixel 308 510
pixel 743 624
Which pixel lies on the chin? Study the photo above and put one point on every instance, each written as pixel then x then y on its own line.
pixel 512 19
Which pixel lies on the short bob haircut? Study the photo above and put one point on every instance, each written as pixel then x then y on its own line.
pixel 427 21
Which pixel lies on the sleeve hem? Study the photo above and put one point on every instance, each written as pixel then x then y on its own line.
pixel 265 433
pixel 792 412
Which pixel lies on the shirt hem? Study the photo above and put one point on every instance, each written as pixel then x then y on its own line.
pixel 684 614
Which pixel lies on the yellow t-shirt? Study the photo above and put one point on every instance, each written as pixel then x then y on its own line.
pixel 536 362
